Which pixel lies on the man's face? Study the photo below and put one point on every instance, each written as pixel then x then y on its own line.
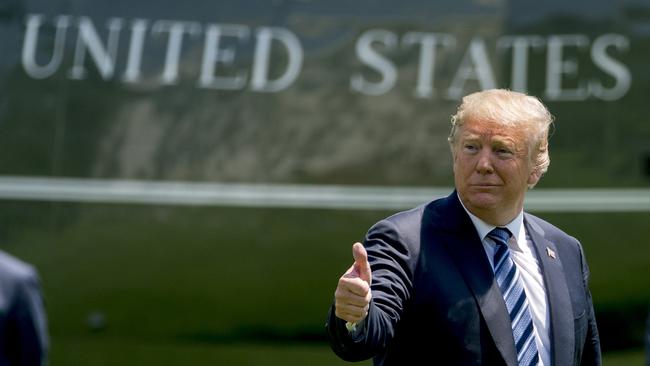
pixel 492 169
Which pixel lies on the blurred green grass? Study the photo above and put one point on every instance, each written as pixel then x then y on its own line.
pixel 215 282
pixel 625 358
pixel 110 352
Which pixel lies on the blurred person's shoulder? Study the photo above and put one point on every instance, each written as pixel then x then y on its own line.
pixel 14 268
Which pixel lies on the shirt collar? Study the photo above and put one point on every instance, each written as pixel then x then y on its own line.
pixel 483 228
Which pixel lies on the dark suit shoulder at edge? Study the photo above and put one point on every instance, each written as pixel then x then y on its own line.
pixel 415 214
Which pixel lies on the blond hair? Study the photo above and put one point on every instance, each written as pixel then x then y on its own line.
pixel 512 109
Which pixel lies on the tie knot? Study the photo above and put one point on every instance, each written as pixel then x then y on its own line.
pixel 500 234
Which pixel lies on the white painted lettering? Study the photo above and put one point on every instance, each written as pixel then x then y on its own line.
pixel 88 39
pixel 611 66
pixel 475 65
pixel 136 47
pixel 520 48
pixel 260 78
pixel 557 66
pixel 30 44
pixel 373 59
pixel 176 31
pixel 213 54
pixel 428 42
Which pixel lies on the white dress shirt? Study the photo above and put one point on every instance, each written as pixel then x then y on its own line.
pixel 530 272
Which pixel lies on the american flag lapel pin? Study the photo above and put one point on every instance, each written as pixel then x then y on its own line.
pixel 550 252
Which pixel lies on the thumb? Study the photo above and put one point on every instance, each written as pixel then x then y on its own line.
pixel 361 262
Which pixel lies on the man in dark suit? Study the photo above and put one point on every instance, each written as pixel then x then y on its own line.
pixel 471 279
pixel 23 328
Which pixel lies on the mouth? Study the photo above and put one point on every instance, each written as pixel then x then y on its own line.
pixel 485 185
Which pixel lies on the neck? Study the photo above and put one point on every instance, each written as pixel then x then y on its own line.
pixel 497 216
pixel 494 218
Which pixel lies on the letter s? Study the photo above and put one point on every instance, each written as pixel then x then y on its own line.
pixel 611 66
pixel 373 59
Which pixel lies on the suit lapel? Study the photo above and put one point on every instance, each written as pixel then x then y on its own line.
pixel 467 251
pixel 557 294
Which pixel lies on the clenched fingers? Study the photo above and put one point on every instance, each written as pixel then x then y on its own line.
pixel 352 295
pixel 354 285
pixel 352 315
pixel 352 299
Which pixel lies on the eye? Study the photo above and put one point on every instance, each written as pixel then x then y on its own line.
pixel 504 152
pixel 470 147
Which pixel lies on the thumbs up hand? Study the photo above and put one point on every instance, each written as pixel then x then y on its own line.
pixel 352 296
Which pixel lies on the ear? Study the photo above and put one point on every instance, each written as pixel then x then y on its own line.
pixel 534 177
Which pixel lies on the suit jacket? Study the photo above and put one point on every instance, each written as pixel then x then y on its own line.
pixel 434 296
pixel 23 330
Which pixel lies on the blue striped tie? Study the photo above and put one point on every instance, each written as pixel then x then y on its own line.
pixel 512 289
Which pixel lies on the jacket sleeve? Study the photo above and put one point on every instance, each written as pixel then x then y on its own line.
pixel 391 262
pixel 29 322
pixel 591 350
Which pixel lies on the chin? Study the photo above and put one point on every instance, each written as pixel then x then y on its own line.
pixel 482 200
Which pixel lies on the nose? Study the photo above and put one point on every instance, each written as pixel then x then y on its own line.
pixel 484 163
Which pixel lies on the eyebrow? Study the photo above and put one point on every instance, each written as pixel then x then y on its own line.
pixel 470 136
pixel 496 139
